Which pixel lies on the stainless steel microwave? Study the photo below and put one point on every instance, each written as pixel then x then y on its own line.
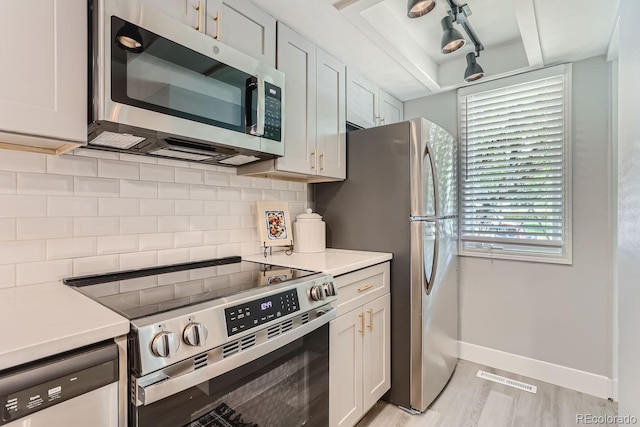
pixel 161 88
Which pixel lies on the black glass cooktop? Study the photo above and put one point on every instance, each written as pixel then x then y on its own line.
pixel 138 293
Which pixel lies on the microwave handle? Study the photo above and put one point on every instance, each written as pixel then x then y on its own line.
pixel 255 84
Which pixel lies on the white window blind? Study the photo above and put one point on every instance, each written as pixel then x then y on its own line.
pixel 515 162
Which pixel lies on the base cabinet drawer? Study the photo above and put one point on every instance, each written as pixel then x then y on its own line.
pixel 362 286
pixel 359 361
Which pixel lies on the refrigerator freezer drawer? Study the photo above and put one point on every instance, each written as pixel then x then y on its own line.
pixel 361 287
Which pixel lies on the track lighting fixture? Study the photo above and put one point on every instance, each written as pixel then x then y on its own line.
pixel 474 71
pixel 417 8
pixel 451 40
pixel 130 39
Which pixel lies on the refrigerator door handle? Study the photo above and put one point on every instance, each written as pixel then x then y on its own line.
pixel 429 281
pixel 428 152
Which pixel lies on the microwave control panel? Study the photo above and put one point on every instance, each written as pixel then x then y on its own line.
pixel 273 112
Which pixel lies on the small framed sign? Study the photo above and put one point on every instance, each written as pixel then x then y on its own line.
pixel 274 223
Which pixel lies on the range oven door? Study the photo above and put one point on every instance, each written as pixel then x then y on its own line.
pixel 286 387
pixel 154 73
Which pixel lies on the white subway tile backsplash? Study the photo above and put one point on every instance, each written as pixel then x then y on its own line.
pixel 199 223
pixel 94 212
pixel 95 265
pixel 189 176
pixel 139 189
pixel 229 193
pixel 97 154
pixel 173 191
pixel 7 229
pixel 155 241
pixel 137 260
pixel 41 272
pixel 7 182
pixel 22 161
pixel 216 207
pixel 157 207
pixel 22 206
pixel 138 224
pixel 38 183
pixel 202 192
pixel 118 207
pixel 17 252
pixel 118 169
pixel 72 206
pixel 43 228
pixel 189 207
pixel 216 237
pixel 96 187
pixel 117 244
pixel 95 226
pixel 240 181
pixel 173 223
pixel 173 256
pixel 71 248
pixel 219 179
pixel 189 239
pixel 157 173
pixel 72 165
pixel 7 276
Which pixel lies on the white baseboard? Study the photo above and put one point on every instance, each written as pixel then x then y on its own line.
pixel 574 379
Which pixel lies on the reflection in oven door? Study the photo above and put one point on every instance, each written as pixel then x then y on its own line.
pixel 287 387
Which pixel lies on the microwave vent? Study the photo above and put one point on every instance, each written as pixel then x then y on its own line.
pixel 178 154
pixel 122 141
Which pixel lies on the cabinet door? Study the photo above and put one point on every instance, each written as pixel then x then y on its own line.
pixel 345 369
pixel 297 60
pixel 391 109
pixel 362 101
pixel 331 131
pixel 43 89
pixel 241 25
pixel 185 11
pixel 376 358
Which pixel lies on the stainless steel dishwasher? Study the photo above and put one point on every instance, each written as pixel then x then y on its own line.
pixel 78 388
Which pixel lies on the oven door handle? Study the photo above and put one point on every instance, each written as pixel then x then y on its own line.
pixel 146 395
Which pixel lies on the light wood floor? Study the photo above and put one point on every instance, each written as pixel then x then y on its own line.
pixel 468 401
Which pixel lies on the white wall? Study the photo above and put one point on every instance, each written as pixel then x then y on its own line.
pixel 628 249
pixel 77 214
pixel 552 313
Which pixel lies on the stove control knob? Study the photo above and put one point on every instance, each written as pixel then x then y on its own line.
pixel 316 293
pixel 165 344
pixel 195 334
pixel 329 289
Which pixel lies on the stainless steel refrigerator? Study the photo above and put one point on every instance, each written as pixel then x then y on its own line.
pixel 400 196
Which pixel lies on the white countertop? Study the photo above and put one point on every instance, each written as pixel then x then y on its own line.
pixel 332 261
pixel 43 320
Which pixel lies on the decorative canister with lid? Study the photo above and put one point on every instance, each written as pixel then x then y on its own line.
pixel 309 233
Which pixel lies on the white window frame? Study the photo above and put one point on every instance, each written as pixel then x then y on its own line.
pixel 527 251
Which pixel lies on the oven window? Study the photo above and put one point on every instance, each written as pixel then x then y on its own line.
pixel 286 388
pixel 163 76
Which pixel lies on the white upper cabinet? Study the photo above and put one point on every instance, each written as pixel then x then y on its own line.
pixel 188 12
pixel 391 109
pixel 241 25
pixel 369 106
pixel 43 84
pixel 331 140
pixel 315 116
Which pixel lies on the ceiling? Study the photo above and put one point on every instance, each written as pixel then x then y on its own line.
pixel 402 55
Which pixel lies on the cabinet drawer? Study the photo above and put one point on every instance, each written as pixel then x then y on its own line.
pixel 360 287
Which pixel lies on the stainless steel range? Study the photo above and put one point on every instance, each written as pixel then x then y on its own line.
pixel 223 342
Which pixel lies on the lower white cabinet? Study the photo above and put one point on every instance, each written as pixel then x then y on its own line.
pixel 359 347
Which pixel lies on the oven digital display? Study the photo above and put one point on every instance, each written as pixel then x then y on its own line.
pixel 257 312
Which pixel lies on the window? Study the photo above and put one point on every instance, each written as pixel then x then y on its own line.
pixel 516 167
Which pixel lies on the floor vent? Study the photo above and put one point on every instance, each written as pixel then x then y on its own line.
pixel 508 382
